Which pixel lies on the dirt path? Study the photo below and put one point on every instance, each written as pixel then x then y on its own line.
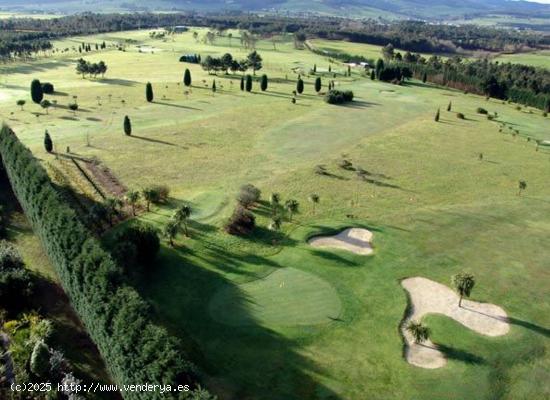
pixel 356 240
pixel 429 297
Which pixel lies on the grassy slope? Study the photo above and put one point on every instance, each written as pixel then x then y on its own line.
pixel 435 211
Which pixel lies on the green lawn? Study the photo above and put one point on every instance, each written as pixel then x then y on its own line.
pixel 539 58
pixel 434 207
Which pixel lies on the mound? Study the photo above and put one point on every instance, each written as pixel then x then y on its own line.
pixel 287 297
pixel 429 297
pixel 356 240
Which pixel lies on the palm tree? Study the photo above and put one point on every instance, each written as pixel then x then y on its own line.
pixel 45 104
pixel 463 283
pixel 314 198
pixel 521 186
pixel 148 195
pixel 171 231
pixel 275 201
pixel 182 216
pixel 419 332
pixel 275 224
pixel 21 103
pixel 291 207
pixel 132 197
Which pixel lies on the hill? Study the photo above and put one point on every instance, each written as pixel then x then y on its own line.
pixel 429 9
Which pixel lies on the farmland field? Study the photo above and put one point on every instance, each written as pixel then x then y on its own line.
pixel 268 316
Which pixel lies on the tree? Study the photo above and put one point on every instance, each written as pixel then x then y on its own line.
pixel 248 195
pixel 300 86
pixel 242 82
pixel 37 93
pixel 372 75
pixel 264 83
pixel 127 126
pixel 254 61
pixel 21 103
pixel 214 86
pixel 314 199
pixel 388 52
pixel 48 143
pixel 149 92
pixel 171 231
pixel 40 359
pixel 275 224
pixel 291 206
pixel 419 332
pixel 522 185
pixel 314 68
pixel 463 283
pixel 45 104
pixel 318 84
pixel 248 83
pixel 437 116
pixel 424 77
pixel 450 106
pixel 187 78
pixel 182 216
pixel 379 67
pixel 149 196
pixel 132 197
pixel 73 107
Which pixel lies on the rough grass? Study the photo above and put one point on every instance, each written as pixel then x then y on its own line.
pixel 434 208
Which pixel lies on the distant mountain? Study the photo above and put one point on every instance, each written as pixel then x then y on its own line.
pixel 420 9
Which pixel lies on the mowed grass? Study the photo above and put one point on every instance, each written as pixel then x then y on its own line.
pixel 287 297
pixel 539 58
pixel 434 207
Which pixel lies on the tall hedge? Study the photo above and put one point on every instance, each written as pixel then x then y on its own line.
pixel 117 318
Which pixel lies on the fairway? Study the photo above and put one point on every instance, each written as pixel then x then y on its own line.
pixel 287 297
pixel 268 316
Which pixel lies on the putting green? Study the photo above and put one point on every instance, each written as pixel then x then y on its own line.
pixel 287 297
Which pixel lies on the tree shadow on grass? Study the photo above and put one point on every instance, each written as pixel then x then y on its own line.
pixel 249 361
pixel 177 105
pixel 333 257
pixel 531 326
pixel 453 353
pixel 112 81
pixel 152 140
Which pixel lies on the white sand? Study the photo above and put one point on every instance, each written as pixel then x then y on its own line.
pixel 429 297
pixel 356 240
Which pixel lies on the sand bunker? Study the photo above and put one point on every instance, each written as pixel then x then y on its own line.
pixel 356 240
pixel 429 297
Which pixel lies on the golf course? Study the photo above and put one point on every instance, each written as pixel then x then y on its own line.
pixel 311 309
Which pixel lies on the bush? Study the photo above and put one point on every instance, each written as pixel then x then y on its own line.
pixel 40 360
pixel 460 116
pixel 159 193
pixel 242 222
pixel 338 97
pixel 481 111
pixel 345 164
pixel 248 195
pixel 48 88
pixel 10 258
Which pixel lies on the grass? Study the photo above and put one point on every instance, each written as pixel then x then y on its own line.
pixel 539 58
pixel 434 208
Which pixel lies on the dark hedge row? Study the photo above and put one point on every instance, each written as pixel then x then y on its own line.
pixel 135 350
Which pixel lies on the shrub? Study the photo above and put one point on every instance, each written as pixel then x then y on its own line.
pixel 481 110
pixel 242 222
pixel 248 195
pixel 48 88
pixel 10 258
pixel 40 360
pixel 338 97
pixel 345 164
pixel 460 116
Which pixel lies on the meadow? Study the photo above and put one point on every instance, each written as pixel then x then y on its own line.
pixel 269 316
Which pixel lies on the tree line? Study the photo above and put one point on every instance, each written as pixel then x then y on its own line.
pixel 117 318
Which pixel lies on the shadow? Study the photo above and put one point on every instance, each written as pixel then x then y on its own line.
pixel 333 257
pixel 177 105
pixel 58 93
pixel 531 326
pixel 111 81
pixel 94 119
pixel 358 104
pixel 152 140
pixel 460 355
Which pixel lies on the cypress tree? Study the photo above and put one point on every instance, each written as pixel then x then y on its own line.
pixel 248 83
pixel 424 77
pixel 242 83
pixel 263 83
pixel 187 77
pixel 314 68
pixel 127 126
pixel 37 93
pixel 48 143
pixel 437 116
pixel 318 84
pixel 330 68
pixel 300 86
pixel 379 67
pixel 149 92
pixel 214 86
pixel 372 75
pixel 349 70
